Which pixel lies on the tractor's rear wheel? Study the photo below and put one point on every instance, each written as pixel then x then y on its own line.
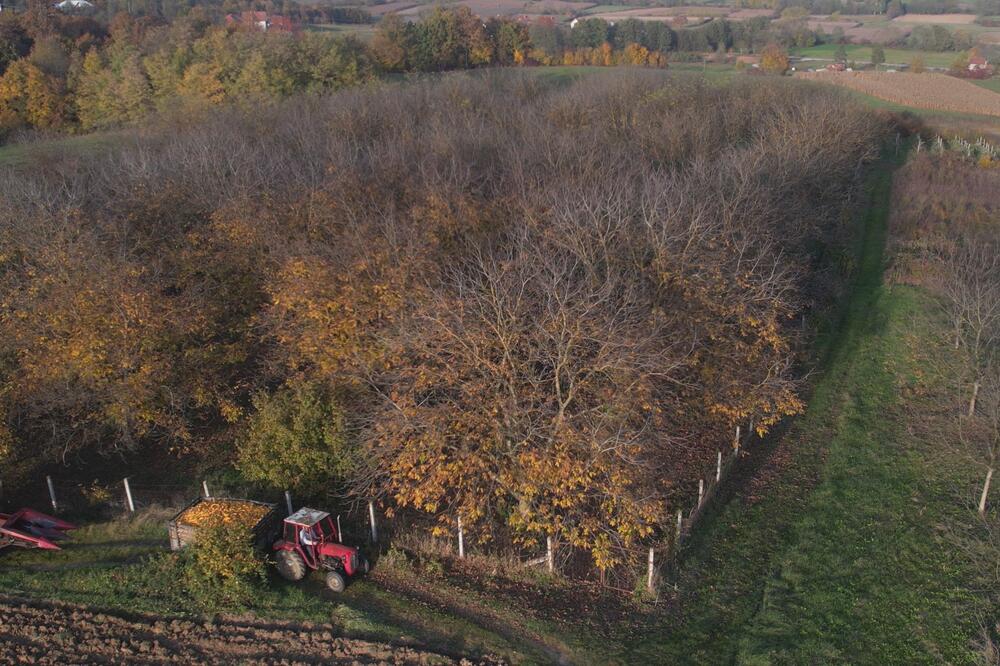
pixel 335 582
pixel 291 566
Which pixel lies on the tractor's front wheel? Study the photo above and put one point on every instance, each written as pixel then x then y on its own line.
pixel 335 582
pixel 291 566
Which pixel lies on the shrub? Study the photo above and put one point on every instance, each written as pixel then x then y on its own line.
pixel 221 568
pixel 297 438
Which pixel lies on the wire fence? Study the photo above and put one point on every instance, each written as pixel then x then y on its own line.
pixel 363 523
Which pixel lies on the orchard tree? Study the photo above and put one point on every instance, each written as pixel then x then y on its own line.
pixel 774 59
pixel 878 55
pixel 972 291
pixel 840 55
pixel 298 438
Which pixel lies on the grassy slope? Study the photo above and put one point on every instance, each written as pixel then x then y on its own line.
pixel 990 84
pixel 837 560
pixel 362 31
pixel 866 578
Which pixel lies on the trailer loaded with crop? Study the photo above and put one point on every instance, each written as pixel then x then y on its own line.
pixel 308 540
pixel 261 519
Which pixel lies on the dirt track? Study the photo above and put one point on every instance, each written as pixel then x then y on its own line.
pixel 39 632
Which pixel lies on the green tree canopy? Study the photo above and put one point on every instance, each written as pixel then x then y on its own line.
pixel 297 438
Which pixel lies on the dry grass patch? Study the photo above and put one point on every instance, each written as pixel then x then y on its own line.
pixel 942 19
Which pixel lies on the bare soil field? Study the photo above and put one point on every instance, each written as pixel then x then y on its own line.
pixel 387 8
pixel 876 35
pixel 745 14
pixel 556 7
pixel 925 91
pixel 486 8
pixel 674 21
pixel 671 11
pixel 943 19
pixel 37 632
pixel 815 23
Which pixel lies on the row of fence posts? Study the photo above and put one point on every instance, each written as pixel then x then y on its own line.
pixel 548 559
pixel 130 505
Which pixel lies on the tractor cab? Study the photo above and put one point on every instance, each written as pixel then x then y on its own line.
pixel 310 541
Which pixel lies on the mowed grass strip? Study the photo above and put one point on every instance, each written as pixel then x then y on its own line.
pixel 868 578
pixel 740 544
pixel 831 552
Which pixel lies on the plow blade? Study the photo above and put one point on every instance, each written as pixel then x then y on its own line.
pixel 28 528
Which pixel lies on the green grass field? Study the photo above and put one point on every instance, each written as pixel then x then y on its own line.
pixel 990 84
pixel 863 54
pixel 361 31
pixel 19 154
pixel 560 74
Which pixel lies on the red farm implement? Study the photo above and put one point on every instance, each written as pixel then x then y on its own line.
pixel 28 528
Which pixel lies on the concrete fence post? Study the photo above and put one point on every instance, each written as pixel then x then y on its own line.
pixel 718 466
pixel 340 534
pixel 288 501
pixel 549 557
pixel 649 571
pixel 701 490
pixel 52 493
pixel 371 517
pixel 128 497
pixel 461 540
pixel 204 488
pixel 986 492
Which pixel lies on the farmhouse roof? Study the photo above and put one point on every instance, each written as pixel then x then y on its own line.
pixel 257 20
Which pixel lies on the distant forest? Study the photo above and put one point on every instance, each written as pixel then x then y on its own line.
pixel 80 73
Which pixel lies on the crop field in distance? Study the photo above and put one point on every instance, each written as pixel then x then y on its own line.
pixel 923 91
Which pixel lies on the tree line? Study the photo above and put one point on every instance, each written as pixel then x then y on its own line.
pixel 73 73
pixel 540 309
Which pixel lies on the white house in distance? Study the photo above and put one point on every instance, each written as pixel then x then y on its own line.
pixel 74 4
pixel 978 63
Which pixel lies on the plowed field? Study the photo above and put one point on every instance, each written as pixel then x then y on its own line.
pixel 34 632
pixel 924 91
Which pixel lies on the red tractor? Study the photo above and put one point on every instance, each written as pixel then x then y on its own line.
pixel 311 542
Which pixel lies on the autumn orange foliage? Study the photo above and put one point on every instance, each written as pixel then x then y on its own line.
pixel 542 311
